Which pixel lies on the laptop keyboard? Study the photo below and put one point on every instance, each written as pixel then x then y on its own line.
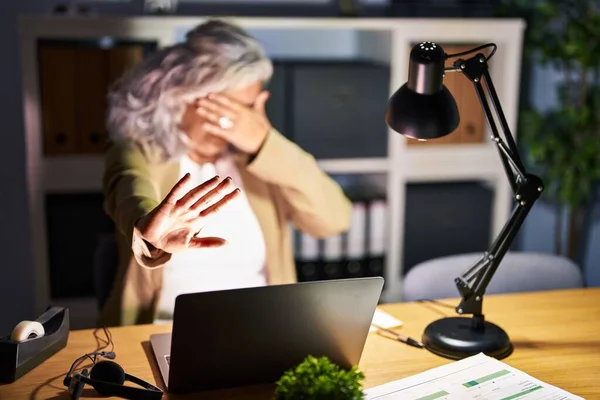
pixel 168 358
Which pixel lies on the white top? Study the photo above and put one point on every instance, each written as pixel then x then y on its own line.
pixel 239 264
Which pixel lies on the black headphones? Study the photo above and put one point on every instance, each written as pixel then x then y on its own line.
pixel 107 378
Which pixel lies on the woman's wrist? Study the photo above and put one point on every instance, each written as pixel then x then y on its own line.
pixel 149 249
pixel 254 154
pixel 153 250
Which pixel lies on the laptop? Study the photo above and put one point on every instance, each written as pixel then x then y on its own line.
pixel 240 337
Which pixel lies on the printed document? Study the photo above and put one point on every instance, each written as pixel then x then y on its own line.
pixel 477 377
pixel 384 320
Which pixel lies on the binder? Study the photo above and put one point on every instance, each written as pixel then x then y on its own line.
pixel 122 58
pixel 377 237
pixel 356 242
pixel 57 96
pixel 90 99
pixel 333 261
pixel 308 261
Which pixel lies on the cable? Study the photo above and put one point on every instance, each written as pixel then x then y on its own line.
pixel 106 342
pixel 464 53
pixel 437 302
pixel 109 337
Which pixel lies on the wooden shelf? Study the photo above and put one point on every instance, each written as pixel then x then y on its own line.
pixel 442 163
pixel 453 162
pixel 83 173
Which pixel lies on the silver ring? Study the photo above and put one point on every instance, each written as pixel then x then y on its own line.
pixel 225 123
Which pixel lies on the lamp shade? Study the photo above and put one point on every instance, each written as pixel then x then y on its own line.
pixel 423 108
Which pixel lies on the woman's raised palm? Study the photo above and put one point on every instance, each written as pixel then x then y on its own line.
pixel 173 225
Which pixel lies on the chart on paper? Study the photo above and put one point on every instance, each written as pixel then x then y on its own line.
pixel 478 377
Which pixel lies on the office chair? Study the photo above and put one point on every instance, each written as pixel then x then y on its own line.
pixel 106 259
pixel 518 272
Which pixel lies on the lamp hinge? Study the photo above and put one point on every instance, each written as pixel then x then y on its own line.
pixel 473 68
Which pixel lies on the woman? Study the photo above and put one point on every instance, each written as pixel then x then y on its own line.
pixel 185 115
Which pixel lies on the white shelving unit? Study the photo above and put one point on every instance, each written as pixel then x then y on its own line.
pixel 384 40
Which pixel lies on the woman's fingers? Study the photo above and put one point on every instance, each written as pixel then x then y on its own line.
pixel 226 103
pixel 219 204
pixel 177 190
pixel 193 195
pixel 209 115
pixel 216 130
pixel 210 107
pixel 212 195
pixel 204 242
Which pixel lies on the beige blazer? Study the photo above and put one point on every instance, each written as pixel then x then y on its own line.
pixel 283 184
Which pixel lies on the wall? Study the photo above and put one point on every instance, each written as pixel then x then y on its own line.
pixel 16 276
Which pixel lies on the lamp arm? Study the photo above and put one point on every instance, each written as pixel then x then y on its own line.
pixel 526 188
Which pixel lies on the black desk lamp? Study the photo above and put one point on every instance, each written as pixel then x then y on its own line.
pixel 424 109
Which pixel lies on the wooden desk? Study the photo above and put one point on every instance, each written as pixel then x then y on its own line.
pixel 556 338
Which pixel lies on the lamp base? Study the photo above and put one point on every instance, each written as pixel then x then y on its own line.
pixel 457 338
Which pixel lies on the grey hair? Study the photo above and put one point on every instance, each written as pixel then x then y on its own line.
pixel 147 104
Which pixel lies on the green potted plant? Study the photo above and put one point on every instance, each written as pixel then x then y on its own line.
pixel 319 379
pixel 562 144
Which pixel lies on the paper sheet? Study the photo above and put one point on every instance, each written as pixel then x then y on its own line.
pixel 478 377
pixel 384 320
